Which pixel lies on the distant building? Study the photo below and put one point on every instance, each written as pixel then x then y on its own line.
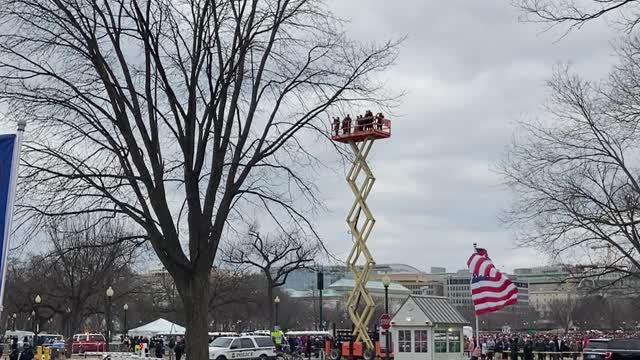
pixel 337 293
pixel 306 279
pixel 542 295
pixel 397 293
pixel 330 298
pixel 458 290
pixel 433 288
pixel 376 288
pixel 542 274
pixel 395 269
pixel 549 284
pixel 412 281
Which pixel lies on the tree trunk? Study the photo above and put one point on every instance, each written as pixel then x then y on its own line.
pixel 194 291
pixel 270 305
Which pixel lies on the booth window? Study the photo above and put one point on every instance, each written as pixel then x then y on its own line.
pixel 404 341
pixel 440 341
pixel 421 343
pixel 454 342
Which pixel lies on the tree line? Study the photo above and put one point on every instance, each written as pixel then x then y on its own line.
pixel 78 261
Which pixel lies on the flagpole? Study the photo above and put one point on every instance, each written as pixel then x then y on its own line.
pixel 475 249
pixel 11 197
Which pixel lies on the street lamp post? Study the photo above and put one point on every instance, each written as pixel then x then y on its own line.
pixel 109 296
pixel 38 301
pixel 386 281
pixel 67 325
pixel 126 330
pixel 15 317
pixel 276 302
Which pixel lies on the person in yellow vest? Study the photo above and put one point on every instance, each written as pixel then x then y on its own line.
pixel 277 335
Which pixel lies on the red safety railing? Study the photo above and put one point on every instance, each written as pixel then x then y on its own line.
pixel 358 129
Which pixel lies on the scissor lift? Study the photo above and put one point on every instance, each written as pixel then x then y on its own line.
pixel 360 134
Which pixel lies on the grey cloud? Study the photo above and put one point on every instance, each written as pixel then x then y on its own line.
pixel 470 69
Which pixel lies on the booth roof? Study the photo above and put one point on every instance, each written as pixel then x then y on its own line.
pixel 439 310
pixel 158 327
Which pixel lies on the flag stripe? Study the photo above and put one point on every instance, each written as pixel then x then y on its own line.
pixel 496 297
pixel 487 285
pixel 498 307
pixel 493 304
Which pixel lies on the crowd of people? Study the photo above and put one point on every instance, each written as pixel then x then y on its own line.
pixel 538 346
pixel 16 353
pixel 155 346
pixel 307 344
pixel 362 123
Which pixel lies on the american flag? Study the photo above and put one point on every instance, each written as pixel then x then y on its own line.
pixel 490 290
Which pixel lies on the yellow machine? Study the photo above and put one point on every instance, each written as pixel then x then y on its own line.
pixel 360 134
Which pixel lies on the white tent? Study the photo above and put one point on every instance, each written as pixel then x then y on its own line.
pixel 158 327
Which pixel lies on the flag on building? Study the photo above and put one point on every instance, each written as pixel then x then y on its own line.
pixel 490 289
pixel 9 159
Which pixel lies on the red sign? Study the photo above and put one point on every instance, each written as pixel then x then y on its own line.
pixel 385 321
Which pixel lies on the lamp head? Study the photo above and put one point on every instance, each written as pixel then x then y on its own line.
pixel 125 307
pixel 109 292
pixel 386 281
pixel 38 299
pixel 276 300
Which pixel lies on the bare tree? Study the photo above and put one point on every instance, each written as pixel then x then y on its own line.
pixel 178 115
pixel 573 15
pixel 154 295
pixel 73 272
pixel 575 172
pixel 274 256
pixel 561 311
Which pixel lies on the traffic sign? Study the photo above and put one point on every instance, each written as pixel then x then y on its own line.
pixel 385 321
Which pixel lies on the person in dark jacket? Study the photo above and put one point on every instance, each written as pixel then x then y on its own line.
pixel 513 348
pixel 15 353
pixel 179 349
pixel 27 352
pixel 552 346
pixel 505 349
pixel 159 346
pixel 539 347
pixel 498 347
pixel 528 349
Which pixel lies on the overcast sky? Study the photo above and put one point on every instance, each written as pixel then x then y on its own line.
pixel 470 69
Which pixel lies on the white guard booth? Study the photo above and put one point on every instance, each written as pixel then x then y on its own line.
pixel 427 328
pixel 157 327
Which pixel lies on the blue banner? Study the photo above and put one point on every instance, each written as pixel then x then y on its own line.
pixel 7 149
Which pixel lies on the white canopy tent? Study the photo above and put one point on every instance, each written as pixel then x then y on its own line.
pixel 157 327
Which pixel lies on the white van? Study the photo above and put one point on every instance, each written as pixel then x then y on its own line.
pixel 20 334
pixel 244 347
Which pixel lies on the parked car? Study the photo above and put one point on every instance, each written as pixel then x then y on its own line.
pixel 20 335
pixel 88 343
pixel 612 349
pixel 245 347
pixel 50 339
